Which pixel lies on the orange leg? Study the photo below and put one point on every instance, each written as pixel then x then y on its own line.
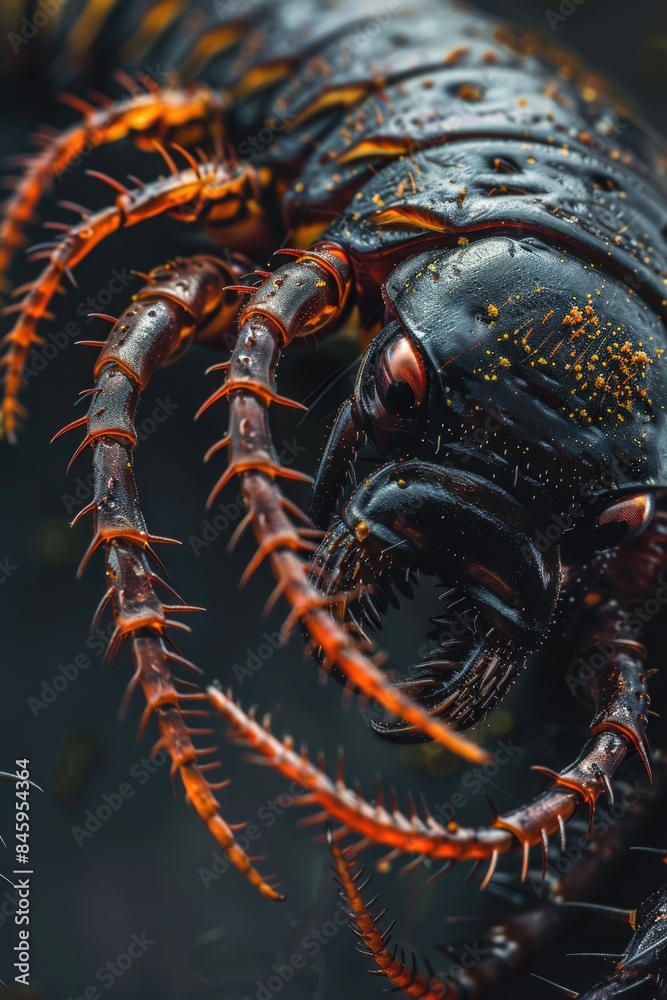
pixel 621 700
pixel 297 299
pixel 184 193
pixel 408 979
pixel 188 116
pixel 620 697
pixel 422 835
pixel 509 946
pixel 179 301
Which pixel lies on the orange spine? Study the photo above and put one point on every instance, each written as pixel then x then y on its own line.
pixel 197 185
pixel 162 113
pixel 178 300
pixel 402 976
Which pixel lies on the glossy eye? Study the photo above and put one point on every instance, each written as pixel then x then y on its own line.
pixel 401 378
pixel 626 519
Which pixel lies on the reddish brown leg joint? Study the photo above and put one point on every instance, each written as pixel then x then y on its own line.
pixel 305 296
pixel 179 300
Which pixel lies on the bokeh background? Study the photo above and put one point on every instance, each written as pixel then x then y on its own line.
pixel 144 871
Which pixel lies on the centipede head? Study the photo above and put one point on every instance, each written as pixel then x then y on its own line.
pixel 467 487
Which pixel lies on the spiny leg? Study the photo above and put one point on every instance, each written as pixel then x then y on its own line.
pixel 402 976
pixel 508 946
pixel 620 696
pixel 273 317
pixel 619 689
pixel 621 703
pixel 178 301
pixel 299 298
pixel 202 188
pixel 190 116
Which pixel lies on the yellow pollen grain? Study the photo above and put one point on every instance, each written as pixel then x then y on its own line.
pixel 574 317
pixel 362 531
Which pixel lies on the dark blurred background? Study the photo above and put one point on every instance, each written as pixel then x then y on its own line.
pixel 143 872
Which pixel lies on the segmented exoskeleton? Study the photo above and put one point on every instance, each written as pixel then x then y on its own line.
pixel 458 192
pixel 510 944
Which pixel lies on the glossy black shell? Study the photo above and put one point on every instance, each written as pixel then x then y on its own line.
pixel 489 187
pixel 560 361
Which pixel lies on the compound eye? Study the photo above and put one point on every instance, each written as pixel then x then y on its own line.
pixel 401 378
pixel 626 519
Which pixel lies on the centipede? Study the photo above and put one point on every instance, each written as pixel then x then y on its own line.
pixel 481 221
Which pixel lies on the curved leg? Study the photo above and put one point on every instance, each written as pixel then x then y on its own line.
pixel 507 947
pixel 618 687
pixel 402 976
pixel 621 699
pixel 299 298
pixel 163 114
pixel 186 194
pixel 178 301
